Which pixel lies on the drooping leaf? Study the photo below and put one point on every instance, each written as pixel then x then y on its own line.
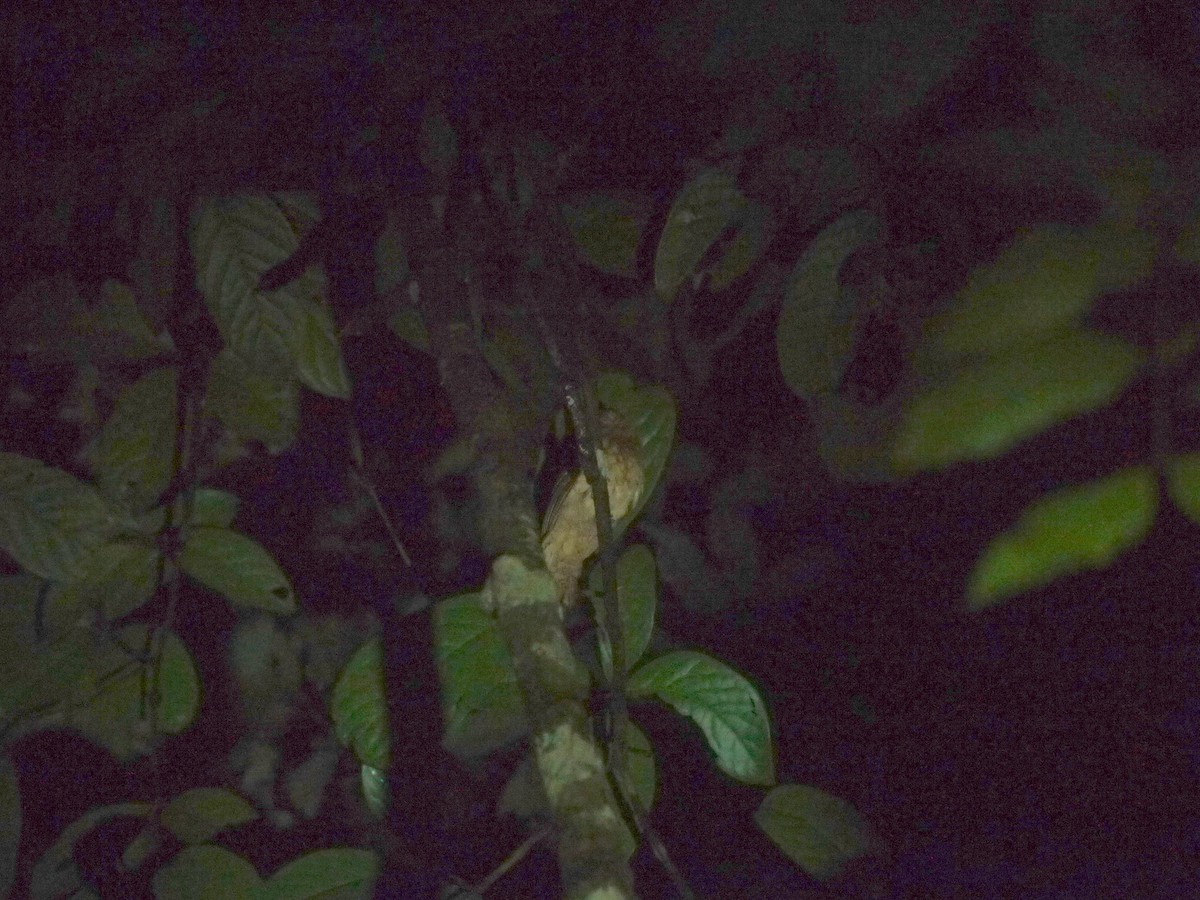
pixel 319 362
pixel 726 706
pixel 56 874
pixel 816 830
pixel 50 522
pixel 1070 530
pixel 121 577
pixel 38 672
pixel 234 240
pixel 981 411
pixel 359 707
pixel 815 335
pixel 212 506
pixel 238 568
pixel 111 701
pixel 481 702
pixel 744 249
pixel 704 208
pixel 133 454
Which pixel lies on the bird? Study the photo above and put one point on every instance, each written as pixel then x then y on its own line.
pixel 569 535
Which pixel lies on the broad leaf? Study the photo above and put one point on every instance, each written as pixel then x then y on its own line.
pixel 607 230
pixel 111 699
pixel 705 207
pixel 1043 282
pixel 1183 484
pixel 237 568
pixel 982 411
pixel 637 596
pixel 263 407
pixel 132 456
pixel 815 335
pixel 199 815
pixel 359 707
pixel 816 830
pixel 1071 530
pixel 50 522
pixel 345 872
pixel 481 702
pixel 319 362
pixel 722 702
pixel 206 872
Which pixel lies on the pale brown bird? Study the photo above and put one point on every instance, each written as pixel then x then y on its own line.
pixel 569 528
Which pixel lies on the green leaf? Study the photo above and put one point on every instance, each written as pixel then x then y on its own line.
pixel 982 411
pixel 37 672
pixel 481 702
pixel 237 568
pixel 705 207
pixel 375 790
pixel 745 248
pixel 607 230
pixel 262 407
pixel 1071 530
pixel 208 873
pixel 121 577
pixel 319 362
pixel 10 825
pixel 111 700
pixel 308 782
pixel 359 707
pixel 406 323
pixel 120 319
pixel 1043 282
pixel 639 765
pixel 726 706
pixel 815 335
pixel 637 595
pixel 234 240
pixel 133 455
pixel 211 506
pixel 650 412
pixel 819 832
pixel 1183 484
pixel 50 522
pixel 340 872
pixel 201 814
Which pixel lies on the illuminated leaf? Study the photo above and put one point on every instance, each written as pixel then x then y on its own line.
pixel 238 568
pixel 982 411
pixel 705 207
pixel 132 456
pixel 726 706
pixel 1070 530
pixel 818 831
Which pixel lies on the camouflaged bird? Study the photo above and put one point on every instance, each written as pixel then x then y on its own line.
pixel 569 529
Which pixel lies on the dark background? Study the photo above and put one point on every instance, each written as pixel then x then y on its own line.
pixel 1045 748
